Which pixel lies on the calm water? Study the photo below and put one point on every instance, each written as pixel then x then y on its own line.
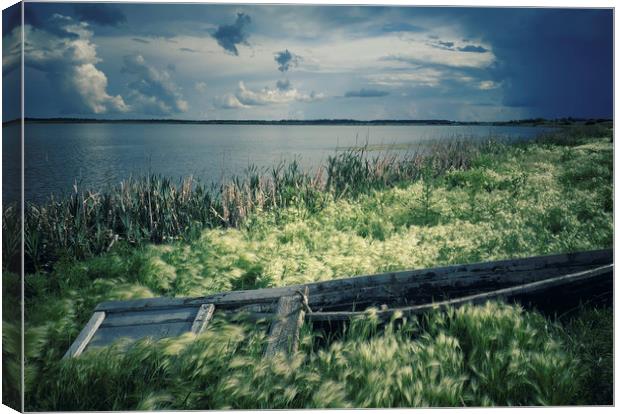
pixel 98 155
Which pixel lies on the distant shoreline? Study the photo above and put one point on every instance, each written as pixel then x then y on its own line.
pixel 522 122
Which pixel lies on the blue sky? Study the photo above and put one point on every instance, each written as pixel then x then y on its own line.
pixel 195 61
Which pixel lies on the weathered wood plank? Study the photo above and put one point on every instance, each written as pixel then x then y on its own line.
pixel 203 317
pixel 83 339
pixel 150 316
pixel 324 293
pixel 506 293
pixel 107 336
pixel 430 287
pixel 284 332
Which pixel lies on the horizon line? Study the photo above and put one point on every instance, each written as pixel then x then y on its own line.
pixel 315 120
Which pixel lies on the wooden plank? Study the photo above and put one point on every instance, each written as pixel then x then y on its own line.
pixel 139 304
pixel 151 316
pixel 505 293
pixel 248 316
pixel 203 317
pixel 284 332
pixel 107 336
pixel 322 293
pixel 85 335
pixel 424 288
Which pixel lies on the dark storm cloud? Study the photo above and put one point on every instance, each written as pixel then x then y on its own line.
pixel 286 60
pixel 11 18
pixel 553 62
pixel 51 23
pixel 473 49
pixel 231 35
pixel 100 14
pixel 11 60
pixel 366 93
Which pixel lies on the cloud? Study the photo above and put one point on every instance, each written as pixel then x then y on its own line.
pixel 56 24
pixel 139 40
pixel 286 60
pixel 153 92
pixel 100 14
pixel 422 76
pixel 421 73
pixel 228 102
pixel 283 85
pixel 487 85
pixel 229 36
pixel 11 51
pixel 445 59
pixel 11 18
pixel 402 27
pixel 451 46
pixel 91 84
pixel 473 49
pixel 70 62
pixel 200 87
pixel 366 93
pixel 245 97
pixel 446 45
pixel 188 50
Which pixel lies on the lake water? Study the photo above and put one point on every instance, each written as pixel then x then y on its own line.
pixel 98 155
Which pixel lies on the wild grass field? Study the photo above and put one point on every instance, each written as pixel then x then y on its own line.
pixel 361 214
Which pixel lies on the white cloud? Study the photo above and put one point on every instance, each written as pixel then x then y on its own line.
pixel 419 77
pixel 332 52
pixel 246 97
pixel 91 85
pixel 154 91
pixel 70 62
pixel 69 57
pixel 229 101
pixel 340 54
pixel 486 85
pixel 201 87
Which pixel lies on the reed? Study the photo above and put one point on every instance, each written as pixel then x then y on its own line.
pixel 155 209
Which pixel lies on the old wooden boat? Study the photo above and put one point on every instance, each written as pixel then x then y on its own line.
pixel 546 282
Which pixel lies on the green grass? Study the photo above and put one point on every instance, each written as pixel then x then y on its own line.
pixel 491 202
pixel 475 356
pixel 589 336
pixel 154 209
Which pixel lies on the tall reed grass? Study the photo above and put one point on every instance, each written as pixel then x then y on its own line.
pixel 155 209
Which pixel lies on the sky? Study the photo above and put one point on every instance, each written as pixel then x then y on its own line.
pixel 197 61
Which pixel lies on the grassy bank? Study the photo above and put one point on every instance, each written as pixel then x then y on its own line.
pixel 155 209
pixel 361 215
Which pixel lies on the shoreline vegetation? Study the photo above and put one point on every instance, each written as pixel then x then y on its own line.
pixel 459 202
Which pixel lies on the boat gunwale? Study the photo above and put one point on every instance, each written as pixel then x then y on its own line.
pixel 526 288
pixel 236 299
